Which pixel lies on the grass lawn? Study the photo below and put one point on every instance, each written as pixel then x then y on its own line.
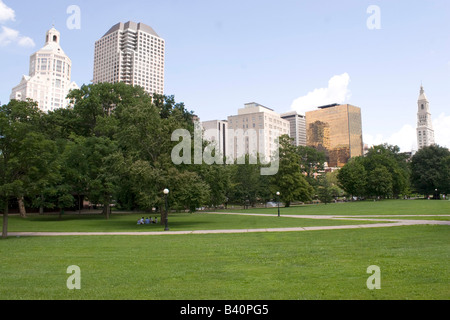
pixel 201 221
pixel 177 222
pixel 267 266
pixel 385 207
pixel 316 265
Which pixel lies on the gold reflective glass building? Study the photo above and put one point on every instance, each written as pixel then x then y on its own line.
pixel 336 130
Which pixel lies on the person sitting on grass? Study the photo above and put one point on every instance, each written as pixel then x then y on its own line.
pixel 147 221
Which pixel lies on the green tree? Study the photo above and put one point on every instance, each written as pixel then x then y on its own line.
pixel 395 163
pixel 430 168
pixel 290 181
pixel 189 191
pixel 324 189
pixel 247 180
pixel 357 176
pixel 90 170
pixel 28 160
pixel 95 107
pixel 75 168
pixel 353 177
pixel 146 128
pixel 218 178
pixel 311 161
pixel 379 182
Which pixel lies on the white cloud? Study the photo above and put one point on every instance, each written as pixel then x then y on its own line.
pixel 406 137
pixel 6 13
pixel 441 126
pixel 371 140
pixel 336 92
pixel 8 36
pixel 26 42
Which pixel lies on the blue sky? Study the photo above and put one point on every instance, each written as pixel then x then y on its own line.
pixel 281 54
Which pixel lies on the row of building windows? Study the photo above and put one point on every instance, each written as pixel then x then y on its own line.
pixel 270 119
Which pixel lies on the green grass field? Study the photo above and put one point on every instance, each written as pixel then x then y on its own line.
pixel 177 222
pixel 313 265
pixel 385 207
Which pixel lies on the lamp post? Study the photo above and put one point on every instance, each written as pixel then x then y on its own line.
pixel 278 201
pixel 166 226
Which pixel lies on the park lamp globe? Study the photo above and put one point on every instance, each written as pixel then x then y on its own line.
pixel 166 222
pixel 278 202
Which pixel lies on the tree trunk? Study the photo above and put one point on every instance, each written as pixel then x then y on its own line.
pixel 163 215
pixel 5 221
pixel 106 209
pixel 41 207
pixel 79 204
pixel 22 210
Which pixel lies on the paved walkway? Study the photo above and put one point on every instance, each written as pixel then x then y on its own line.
pixel 387 221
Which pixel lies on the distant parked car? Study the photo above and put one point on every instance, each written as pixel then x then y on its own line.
pixel 272 204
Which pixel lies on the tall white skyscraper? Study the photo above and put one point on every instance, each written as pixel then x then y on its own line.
pixel 132 53
pixel 425 132
pixel 297 127
pixel 48 82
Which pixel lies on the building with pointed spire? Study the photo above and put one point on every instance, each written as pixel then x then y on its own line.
pixel 49 80
pixel 425 132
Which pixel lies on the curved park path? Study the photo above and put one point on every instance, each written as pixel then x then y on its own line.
pixel 383 222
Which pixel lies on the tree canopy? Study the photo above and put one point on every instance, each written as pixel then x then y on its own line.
pixel 113 147
pixel 430 170
pixel 385 172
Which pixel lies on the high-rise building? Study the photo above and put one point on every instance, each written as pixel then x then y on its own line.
pixel 425 132
pixel 336 130
pixel 48 81
pixel 254 130
pixel 216 131
pixel 132 53
pixel 297 127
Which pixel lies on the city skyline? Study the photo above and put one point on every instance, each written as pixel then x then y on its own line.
pixel 220 56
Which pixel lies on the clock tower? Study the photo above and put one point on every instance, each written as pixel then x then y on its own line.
pixel 425 132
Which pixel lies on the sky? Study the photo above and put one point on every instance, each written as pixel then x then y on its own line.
pixel 286 54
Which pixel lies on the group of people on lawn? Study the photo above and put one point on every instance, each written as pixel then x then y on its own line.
pixel 147 220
